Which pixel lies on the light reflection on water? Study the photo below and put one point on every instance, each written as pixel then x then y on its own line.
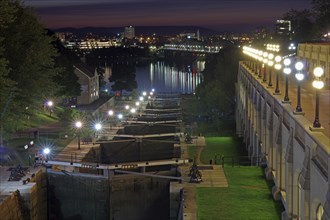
pixel 165 78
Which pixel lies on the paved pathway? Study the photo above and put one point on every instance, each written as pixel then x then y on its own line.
pixel 71 153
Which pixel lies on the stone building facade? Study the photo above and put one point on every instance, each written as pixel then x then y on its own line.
pixel 297 158
pixel 89 82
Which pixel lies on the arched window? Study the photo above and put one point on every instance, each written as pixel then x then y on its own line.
pixel 299 196
pixel 319 212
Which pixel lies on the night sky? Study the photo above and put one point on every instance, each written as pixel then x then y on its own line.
pixel 220 15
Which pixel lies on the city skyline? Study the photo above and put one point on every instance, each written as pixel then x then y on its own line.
pixel 223 15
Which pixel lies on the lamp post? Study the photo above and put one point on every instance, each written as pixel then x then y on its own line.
pixel 286 71
pixel 78 125
pixel 277 66
pixel 110 114
pixel 50 105
pixel 299 76
pixel 120 116
pixel 317 84
pixel 98 127
pixel 265 61
pixel 260 58
pixel 133 110
pixel 270 64
pixel 46 152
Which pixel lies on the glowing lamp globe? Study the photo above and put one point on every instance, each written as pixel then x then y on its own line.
pixel 299 66
pixel 299 76
pixel 287 70
pixel 278 59
pixel 278 66
pixel 318 72
pixel 287 62
pixel 318 84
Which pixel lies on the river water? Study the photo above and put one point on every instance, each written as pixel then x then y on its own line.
pixel 169 78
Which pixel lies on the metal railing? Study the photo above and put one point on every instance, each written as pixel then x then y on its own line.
pixel 238 160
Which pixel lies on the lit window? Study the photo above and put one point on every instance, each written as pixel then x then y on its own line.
pixel 319 212
pixel 299 196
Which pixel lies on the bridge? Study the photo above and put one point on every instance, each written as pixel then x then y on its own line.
pixel 197 48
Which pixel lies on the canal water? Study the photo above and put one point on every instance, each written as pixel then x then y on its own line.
pixel 169 78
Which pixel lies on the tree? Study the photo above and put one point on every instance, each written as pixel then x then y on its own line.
pixel 321 9
pixel 216 93
pixel 123 77
pixel 302 25
pixel 65 79
pixel 26 62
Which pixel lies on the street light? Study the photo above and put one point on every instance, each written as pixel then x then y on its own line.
pixel 299 76
pixel 265 61
pixel 78 125
pixel 260 58
pixel 110 113
pixel 46 151
pixel 50 105
pixel 277 66
pixel 286 71
pixel 98 127
pixel 317 84
pixel 270 64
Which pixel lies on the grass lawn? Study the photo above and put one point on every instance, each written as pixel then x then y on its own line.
pixel 17 154
pixel 227 146
pixel 247 197
pixel 22 156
